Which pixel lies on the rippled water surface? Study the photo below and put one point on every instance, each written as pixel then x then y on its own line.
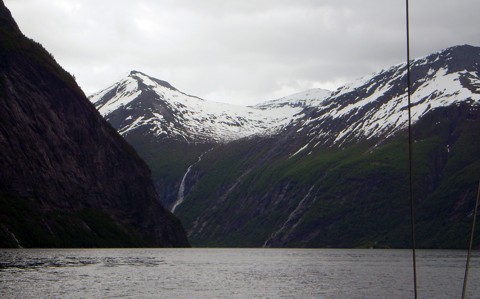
pixel 233 273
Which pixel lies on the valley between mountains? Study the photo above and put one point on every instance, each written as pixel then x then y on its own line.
pixel 318 168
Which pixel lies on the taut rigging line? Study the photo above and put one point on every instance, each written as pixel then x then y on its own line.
pixel 410 158
pixel 472 233
pixel 410 168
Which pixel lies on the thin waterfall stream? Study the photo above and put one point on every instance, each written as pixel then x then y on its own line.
pixel 181 189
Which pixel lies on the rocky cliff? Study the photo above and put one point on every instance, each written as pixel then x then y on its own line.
pixel 67 178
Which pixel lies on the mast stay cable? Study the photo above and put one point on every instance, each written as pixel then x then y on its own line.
pixel 467 266
pixel 410 168
pixel 410 158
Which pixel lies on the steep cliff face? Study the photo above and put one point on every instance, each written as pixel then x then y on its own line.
pixel 67 178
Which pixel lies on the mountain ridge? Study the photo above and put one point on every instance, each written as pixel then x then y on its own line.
pixel 174 114
pixel 324 104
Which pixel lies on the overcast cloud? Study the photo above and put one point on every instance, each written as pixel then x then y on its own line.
pixel 245 51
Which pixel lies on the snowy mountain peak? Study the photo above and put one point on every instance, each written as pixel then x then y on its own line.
pixel 149 81
pixel 141 102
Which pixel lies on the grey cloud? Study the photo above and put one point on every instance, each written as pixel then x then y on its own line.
pixel 240 51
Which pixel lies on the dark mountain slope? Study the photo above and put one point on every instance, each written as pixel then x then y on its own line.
pixel 338 177
pixel 353 197
pixel 67 178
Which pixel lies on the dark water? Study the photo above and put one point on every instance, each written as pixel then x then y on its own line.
pixel 233 273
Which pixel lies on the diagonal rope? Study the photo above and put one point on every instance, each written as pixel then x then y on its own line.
pixel 410 159
pixel 467 266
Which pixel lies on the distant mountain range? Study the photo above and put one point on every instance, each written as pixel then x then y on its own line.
pixel 140 102
pixel 67 178
pixel 318 168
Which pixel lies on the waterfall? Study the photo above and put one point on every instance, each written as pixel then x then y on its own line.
pixel 181 189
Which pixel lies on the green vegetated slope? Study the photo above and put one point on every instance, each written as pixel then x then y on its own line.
pixel 249 194
pixel 168 161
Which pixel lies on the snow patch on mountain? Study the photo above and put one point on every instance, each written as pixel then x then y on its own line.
pixel 126 91
pixel 376 106
pixel 305 99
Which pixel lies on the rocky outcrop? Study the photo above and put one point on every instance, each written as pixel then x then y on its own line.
pixel 61 160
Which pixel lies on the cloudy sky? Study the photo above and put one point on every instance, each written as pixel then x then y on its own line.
pixel 242 51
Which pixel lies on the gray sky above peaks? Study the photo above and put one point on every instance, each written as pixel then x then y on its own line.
pixel 243 51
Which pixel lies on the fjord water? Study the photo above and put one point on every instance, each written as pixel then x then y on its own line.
pixel 233 273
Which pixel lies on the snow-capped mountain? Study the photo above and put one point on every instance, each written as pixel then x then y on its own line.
pixel 372 106
pixel 376 106
pixel 148 105
pixel 296 188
